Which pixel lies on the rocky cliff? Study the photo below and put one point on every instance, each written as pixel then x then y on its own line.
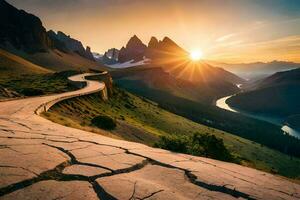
pixel 64 41
pixel 22 30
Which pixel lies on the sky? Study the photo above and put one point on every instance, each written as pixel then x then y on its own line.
pixel 231 31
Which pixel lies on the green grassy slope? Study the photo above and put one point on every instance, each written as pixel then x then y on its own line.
pixel 141 120
pixel 246 127
pixel 36 84
pixel 20 77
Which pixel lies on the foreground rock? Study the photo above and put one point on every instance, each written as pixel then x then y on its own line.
pixel 43 160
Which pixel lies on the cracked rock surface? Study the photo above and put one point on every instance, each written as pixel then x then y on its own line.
pixel 43 160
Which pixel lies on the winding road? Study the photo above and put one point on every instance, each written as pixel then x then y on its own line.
pixel 43 160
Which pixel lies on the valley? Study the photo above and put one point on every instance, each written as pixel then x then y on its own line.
pixel 221 103
pixel 283 89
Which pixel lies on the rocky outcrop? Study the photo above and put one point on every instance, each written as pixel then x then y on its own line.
pixel 134 50
pixel 6 93
pixel 57 44
pixel 22 30
pixel 25 32
pixel 110 57
pixel 89 54
pixel 65 42
pixel 112 53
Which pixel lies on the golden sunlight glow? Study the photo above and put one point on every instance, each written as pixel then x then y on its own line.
pixel 196 55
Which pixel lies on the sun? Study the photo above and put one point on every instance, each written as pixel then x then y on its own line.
pixel 196 55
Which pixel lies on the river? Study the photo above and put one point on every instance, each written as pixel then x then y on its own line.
pixel 221 103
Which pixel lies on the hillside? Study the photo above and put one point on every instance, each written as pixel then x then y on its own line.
pixel 175 60
pixel 201 72
pixel 276 95
pixel 59 61
pixel 212 116
pixel 280 78
pixel 14 85
pixel 24 35
pixel 158 79
pixel 13 64
pixel 143 121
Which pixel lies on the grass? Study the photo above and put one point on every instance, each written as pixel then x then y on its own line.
pixel 141 120
pixel 212 116
pixel 36 84
pixel 13 64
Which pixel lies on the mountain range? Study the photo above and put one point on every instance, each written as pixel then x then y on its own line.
pixel 257 70
pixel 24 35
pixel 171 70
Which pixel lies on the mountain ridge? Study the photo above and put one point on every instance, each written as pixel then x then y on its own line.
pixel 24 35
pixel 282 87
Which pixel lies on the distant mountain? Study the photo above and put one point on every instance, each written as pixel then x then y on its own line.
pixel 175 60
pixel 169 56
pixel 159 51
pixel 134 50
pixel 110 57
pixel 257 70
pixel 201 72
pixel 171 70
pixel 289 77
pixel 112 53
pixel 97 55
pixel 23 35
pixel 277 95
pixel 157 79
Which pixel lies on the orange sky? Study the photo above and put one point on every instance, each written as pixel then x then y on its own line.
pixel 229 30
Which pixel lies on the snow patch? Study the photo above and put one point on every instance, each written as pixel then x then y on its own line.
pixel 130 63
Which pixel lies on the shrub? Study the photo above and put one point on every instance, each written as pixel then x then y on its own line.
pixel 173 143
pixel 31 92
pixel 198 144
pixel 209 146
pixel 104 122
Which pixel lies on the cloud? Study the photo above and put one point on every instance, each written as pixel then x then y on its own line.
pixel 225 37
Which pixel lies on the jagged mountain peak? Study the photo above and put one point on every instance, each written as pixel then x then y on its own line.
pixel 134 50
pixel 135 42
pixel 167 39
pixel 153 42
